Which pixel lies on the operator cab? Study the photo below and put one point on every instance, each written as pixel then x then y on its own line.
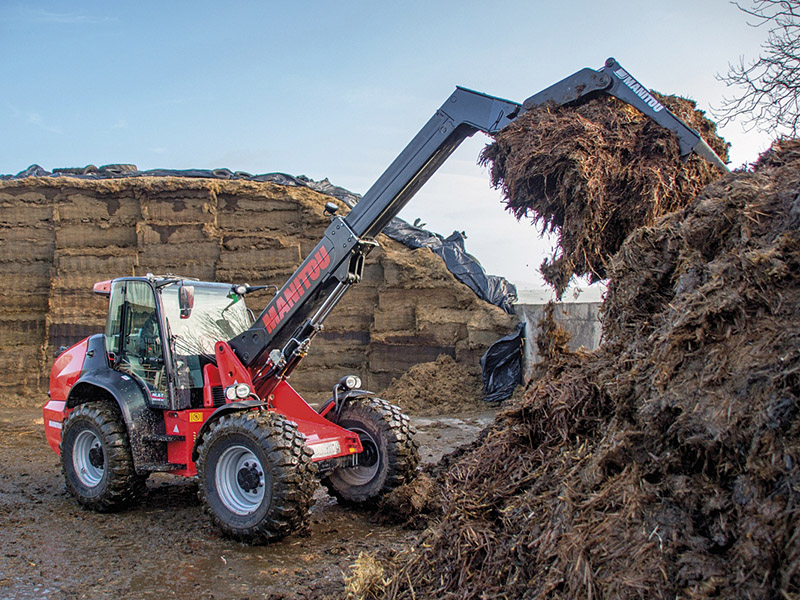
pixel 163 329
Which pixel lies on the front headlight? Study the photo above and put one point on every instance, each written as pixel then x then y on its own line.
pixel 351 382
pixel 238 391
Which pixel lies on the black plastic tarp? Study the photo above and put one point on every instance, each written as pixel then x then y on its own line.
pixel 501 366
pixel 464 266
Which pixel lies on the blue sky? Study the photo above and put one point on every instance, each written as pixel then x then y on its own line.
pixel 334 89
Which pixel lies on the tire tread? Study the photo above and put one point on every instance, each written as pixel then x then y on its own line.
pixel 294 481
pixel 124 487
pixel 402 449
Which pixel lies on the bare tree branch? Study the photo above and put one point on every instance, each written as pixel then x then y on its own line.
pixel 768 97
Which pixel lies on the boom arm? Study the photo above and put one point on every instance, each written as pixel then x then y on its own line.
pixel 297 311
pixel 612 79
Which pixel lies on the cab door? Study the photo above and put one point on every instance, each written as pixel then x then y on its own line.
pixel 135 339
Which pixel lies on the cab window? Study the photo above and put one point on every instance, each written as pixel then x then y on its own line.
pixel 133 334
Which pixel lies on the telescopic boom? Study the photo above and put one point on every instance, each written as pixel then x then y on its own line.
pixel 297 311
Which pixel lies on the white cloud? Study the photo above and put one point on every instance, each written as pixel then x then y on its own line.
pixel 70 18
pixel 33 118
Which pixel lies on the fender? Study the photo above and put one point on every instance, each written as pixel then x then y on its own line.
pixel 140 420
pixel 223 410
pixel 331 402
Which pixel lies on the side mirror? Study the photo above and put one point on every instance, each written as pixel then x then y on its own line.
pixel 186 300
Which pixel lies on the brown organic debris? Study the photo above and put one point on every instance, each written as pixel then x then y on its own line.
pixel 411 503
pixel 365 581
pixel 595 172
pixel 666 463
pixel 439 387
pixel 552 338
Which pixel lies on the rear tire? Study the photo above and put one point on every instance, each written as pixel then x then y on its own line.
pixel 390 455
pixel 256 476
pixel 96 459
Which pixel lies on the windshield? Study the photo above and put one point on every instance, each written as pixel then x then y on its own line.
pixel 218 315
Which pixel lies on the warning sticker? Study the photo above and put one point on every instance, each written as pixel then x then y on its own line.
pixel 195 417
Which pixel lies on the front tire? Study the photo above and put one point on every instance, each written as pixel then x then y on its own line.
pixel 390 455
pixel 96 459
pixel 256 476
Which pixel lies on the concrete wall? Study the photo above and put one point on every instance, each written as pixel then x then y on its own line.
pixel 580 319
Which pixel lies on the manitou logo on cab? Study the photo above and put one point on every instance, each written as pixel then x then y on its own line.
pixel 295 289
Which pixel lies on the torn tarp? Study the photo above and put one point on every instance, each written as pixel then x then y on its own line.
pixel 465 267
pixel 501 366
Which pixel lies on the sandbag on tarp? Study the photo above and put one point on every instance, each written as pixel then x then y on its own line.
pixel 501 366
pixel 32 171
pixel 465 267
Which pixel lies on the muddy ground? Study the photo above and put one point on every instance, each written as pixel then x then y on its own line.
pixel 50 547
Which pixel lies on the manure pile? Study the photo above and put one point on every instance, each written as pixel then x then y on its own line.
pixel 593 173
pixel 59 235
pixel 443 386
pixel 666 463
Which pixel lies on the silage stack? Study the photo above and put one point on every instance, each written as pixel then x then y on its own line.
pixel 27 235
pixel 62 234
pixel 95 234
pixel 177 232
pixel 265 232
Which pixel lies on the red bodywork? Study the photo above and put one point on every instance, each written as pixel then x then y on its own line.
pixel 326 439
pixel 317 429
pixel 103 288
pixel 286 401
pixel 186 423
pixel 66 371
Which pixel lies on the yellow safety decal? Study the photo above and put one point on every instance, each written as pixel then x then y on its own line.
pixel 195 417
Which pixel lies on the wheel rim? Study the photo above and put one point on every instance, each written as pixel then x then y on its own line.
pixel 88 459
pixel 369 461
pixel 240 479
